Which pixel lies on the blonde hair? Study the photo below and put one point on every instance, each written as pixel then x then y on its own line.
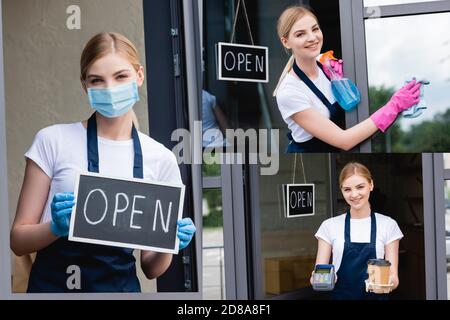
pixel 285 23
pixel 353 168
pixel 105 43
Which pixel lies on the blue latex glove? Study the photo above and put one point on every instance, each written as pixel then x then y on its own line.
pixel 185 233
pixel 61 207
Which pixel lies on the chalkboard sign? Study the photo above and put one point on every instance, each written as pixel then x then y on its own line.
pixel 299 200
pixel 129 213
pixel 237 62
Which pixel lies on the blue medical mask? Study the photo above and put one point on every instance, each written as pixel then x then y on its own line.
pixel 115 101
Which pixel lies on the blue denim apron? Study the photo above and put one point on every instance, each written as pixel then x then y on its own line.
pixel 103 268
pixel 352 273
pixel 336 113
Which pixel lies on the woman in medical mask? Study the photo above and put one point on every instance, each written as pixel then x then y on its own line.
pixel 304 95
pixel 356 236
pixel 108 143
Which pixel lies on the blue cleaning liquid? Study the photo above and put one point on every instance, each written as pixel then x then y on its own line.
pixel 346 93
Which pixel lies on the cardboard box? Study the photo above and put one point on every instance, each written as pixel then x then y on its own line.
pixel 284 274
pixel 279 282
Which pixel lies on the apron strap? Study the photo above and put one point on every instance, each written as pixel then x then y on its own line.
pixel 92 145
pixel 311 85
pixel 138 171
pixel 373 228
pixel 347 227
pixel 92 149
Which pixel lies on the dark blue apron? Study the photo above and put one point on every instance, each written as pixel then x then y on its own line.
pixel 103 268
pixel 336 115
pixel 352 273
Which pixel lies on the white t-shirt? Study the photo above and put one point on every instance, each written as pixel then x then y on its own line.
pixel 293 96
pixel 61 151
pixel 333 232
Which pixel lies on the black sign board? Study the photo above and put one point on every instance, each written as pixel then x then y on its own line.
pixel 238 62
pixel 299 200
pixel 129 213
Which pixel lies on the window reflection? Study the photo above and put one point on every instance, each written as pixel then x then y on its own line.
pixel 446 160
pixel 398 51
pixel 213 254
pixel 288 246
pixel 447 232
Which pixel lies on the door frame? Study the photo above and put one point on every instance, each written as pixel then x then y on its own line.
pixel 353 15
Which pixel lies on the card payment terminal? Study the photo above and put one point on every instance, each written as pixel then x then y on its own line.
pixel 323 277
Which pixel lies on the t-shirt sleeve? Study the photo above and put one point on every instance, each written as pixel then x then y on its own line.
pixel 209 99
pixel 324 233
pixel 290 101
pixel 393 231
pixel 169 171
pixel 43 150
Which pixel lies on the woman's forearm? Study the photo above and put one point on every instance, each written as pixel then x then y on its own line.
pixel 391 254
pixel 358 133
pixel 326 130
pixel 31 238
pixel 154 264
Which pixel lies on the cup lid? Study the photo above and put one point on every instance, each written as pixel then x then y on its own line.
pixel 379 262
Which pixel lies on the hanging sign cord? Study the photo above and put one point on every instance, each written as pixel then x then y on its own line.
pixel 246 19
pixel 303 168
pixel 295 168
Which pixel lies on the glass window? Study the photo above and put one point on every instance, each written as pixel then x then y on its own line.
pixel 446 160
pixel 213 254
pixel 211 170
pixel 244 104
pixel 288 246
pixel 397 52
pixel 372 3
pixel 447 232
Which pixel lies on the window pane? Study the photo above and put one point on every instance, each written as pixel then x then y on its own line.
pixel 288 246
pixel 446 160
pixel 211 170
pixel 371 3
pixel 396 52
pixel 447 233
pixel 245 104
pixel 213 256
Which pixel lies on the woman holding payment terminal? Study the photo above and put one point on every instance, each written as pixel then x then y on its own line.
pixel 108 143
pixel 356 237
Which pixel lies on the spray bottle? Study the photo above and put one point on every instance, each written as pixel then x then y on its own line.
pixel 344 90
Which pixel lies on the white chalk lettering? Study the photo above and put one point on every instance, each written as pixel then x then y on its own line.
pixel 85 206
pixel 259 61
pixel 248 62
pixel 241 60
pixel 225 61
pixel 310 199
pixel 301 199
pixel 133 211
pixel 116 207
pixel 165 225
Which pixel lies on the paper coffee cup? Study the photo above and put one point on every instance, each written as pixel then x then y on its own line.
pixel 378 270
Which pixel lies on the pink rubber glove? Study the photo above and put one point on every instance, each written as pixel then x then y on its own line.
pixel 338 68
pixel 405 98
